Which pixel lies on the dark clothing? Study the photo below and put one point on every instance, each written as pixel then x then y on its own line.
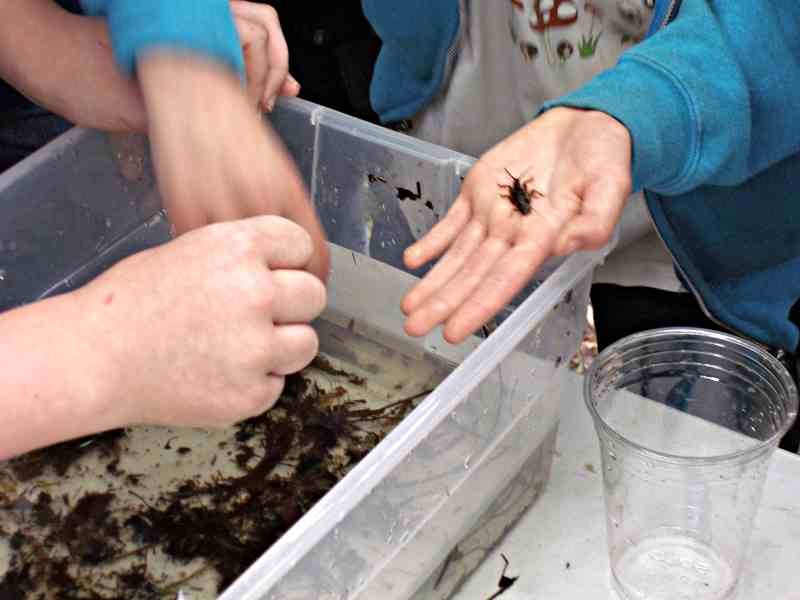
pixel 332 52
pixel 25 130
pixel 620 311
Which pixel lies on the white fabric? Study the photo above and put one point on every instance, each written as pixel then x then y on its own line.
pixel 513 55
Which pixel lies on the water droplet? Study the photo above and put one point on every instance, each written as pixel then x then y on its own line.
pixel 2 274
pixel 466 462
pixel 108 223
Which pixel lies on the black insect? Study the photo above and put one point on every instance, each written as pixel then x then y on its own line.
pixel 519 194
pixel 406 194
pixel 505 581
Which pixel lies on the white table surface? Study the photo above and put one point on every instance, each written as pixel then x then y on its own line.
pixel 567 525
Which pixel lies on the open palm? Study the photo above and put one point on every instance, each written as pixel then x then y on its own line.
pixel 575 166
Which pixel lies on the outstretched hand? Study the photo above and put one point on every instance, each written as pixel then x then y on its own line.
pixel 575 169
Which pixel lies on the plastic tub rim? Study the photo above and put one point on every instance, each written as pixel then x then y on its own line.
pixel 769 362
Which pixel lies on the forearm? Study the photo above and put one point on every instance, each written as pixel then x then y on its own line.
pixel 64 63
pixel 54 377
pixel 709 99
pixel 138 26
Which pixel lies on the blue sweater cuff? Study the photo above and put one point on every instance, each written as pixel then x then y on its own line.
pixel 653 106
pixel 203 27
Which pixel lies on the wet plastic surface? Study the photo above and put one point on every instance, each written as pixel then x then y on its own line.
pixel 423 508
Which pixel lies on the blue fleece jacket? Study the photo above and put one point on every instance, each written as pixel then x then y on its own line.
pixel 711 102
pixel 204 27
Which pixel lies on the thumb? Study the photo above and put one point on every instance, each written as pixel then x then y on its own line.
pixel 600 211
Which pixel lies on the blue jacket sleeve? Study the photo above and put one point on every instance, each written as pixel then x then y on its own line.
pixel 711 98
pixel 204 27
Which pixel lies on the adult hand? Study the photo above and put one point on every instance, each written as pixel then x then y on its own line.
pixel 201 331
pixel 576 166
pixel 215 157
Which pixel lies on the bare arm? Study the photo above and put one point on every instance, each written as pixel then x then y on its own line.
pixel 64 62
pixel 52 373
pixel 139 345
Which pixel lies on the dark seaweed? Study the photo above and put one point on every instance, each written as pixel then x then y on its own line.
pixel 227 522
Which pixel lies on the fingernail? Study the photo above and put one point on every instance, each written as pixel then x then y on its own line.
pixel 270 105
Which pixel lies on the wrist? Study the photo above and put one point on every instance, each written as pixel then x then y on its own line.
pixel 57 383
pixel 98 331
pixel 173 83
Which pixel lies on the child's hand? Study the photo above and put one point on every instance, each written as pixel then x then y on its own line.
pixel 215 157
pixel 64 63
pixel 266 54
pixel 580 163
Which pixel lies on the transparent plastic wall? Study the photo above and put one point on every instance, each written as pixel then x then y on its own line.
pixel 420 511
pixel 463 465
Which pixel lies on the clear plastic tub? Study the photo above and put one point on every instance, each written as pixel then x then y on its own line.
pixel 423 508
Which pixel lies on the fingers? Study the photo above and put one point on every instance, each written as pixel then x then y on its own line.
pixel 284 244
pixel 439 238
pixel 273 391
pixel 278 52
pixel 319 261
pixel 452 262
pixel 294 347
pixel 291 87
pixel 254 47
pixel 507 277
pixel 259 400
pixel 274 60
pixel 472 280
pixel 299 297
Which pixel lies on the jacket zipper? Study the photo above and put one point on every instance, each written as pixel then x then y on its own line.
pixel 672 10
pixel 685 279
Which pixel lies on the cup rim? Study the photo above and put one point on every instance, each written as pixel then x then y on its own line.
pixel 697 333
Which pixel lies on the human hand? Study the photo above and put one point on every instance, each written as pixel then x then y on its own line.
pixel 266 54
pixel 201 331
pixel 577 168
pixel 215 157
pixel 64 62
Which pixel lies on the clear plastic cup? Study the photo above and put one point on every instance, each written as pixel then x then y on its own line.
pixel 688 420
